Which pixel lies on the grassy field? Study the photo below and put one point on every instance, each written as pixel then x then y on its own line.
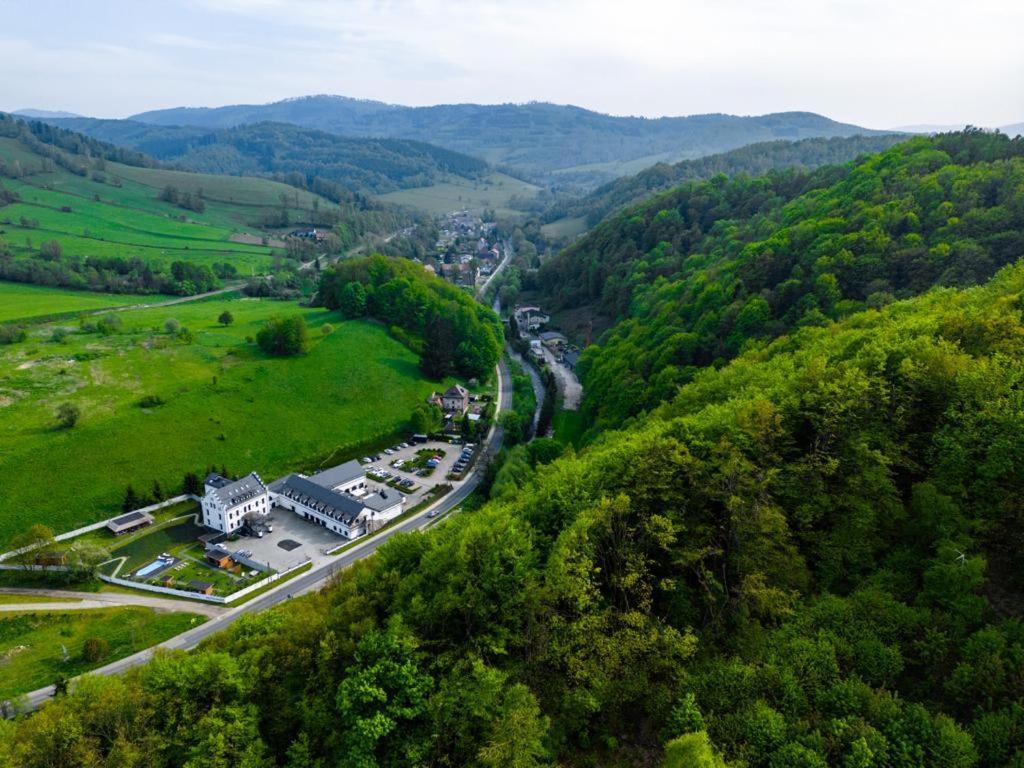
pixel 33 645
pixel 569 427
pixel 565 227
pixel 91 217
pixel 225 404
pixel 19 301
pixel 493 191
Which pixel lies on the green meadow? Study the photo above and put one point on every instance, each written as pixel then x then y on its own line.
pixel 118 214
pixel 495 191
pixel 224 403
pixel 19 301
pixel 38 647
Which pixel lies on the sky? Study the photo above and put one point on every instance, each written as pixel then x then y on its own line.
pixel 877 63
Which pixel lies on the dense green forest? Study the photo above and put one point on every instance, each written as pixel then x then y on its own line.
pixel 750 160
pixel 287 153
pixel 808 558
pixel 586 148
pixel 451 331
pixel 699 273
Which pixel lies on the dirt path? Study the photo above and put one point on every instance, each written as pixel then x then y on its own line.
pixel 104 600
pixel 568 384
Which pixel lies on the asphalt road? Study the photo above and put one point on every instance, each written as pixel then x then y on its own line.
pixel 317 577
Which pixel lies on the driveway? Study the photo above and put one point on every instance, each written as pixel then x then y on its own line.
pixel 568 384
pixel 87 600
pixel 290 530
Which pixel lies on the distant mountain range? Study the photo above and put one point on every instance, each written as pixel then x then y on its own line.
pixel 278 149
pixel 43 114
pixel 556 143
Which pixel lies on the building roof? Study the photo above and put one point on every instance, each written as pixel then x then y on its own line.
pixel 200 586
pixel 131 519
pixel 382 500
pixel 217 553
pixel 339 475
pixel 331 503
pixel 552 336
pixel 237 492
pixel 456 391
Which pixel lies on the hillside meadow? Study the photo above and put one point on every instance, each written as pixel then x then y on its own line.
pixel 494 191
pixel 19 301
pixel 222 402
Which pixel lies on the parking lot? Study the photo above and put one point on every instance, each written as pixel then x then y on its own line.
pixel 312 540
pixel 387 461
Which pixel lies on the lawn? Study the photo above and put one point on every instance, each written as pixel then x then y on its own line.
pixel 144 548
pixel 34 646
pixel 225 404
pixel 19 301
pixel 493 191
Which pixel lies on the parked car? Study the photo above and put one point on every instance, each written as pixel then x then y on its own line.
pixel 366 460
pixel 388 451
pixel 376 457
pixel 405 445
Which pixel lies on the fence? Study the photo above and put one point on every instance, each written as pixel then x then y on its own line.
pixel 216 599
pixel 102 524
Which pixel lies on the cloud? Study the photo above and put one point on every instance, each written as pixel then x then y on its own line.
pixel 870 61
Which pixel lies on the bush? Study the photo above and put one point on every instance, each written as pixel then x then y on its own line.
pixel 284 336
pixel 151 401
pixel 11 334
pixel 95 649
pixel 109 324
pixel 326 329
pixel 226 318
pixel 67 415
pixel 58 335
pixel 172 326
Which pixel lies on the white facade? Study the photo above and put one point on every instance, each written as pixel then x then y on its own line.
pixel 226 503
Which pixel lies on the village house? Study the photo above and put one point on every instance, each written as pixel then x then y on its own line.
pixel 455 399
pixel 530 319
pixel 311 233
pixel 227 503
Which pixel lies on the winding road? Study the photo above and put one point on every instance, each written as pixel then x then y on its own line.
pixel 315 579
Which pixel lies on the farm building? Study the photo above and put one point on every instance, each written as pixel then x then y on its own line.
pixel 133 521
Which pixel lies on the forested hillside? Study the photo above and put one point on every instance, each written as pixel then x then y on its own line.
pixel 751 160
pixel 288 153
pixel 697 274
pixel 810 557
pixel 585 147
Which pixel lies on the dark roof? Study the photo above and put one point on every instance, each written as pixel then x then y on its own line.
pixel 456 391
pixel 382 500
pixel 238 492
pixel 551 335
pixel 131 517
pixel 200 585
pixel 339 475
pixel 218 553
pixel 331 503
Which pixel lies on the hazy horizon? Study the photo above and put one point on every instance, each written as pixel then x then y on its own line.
pixel 866 62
